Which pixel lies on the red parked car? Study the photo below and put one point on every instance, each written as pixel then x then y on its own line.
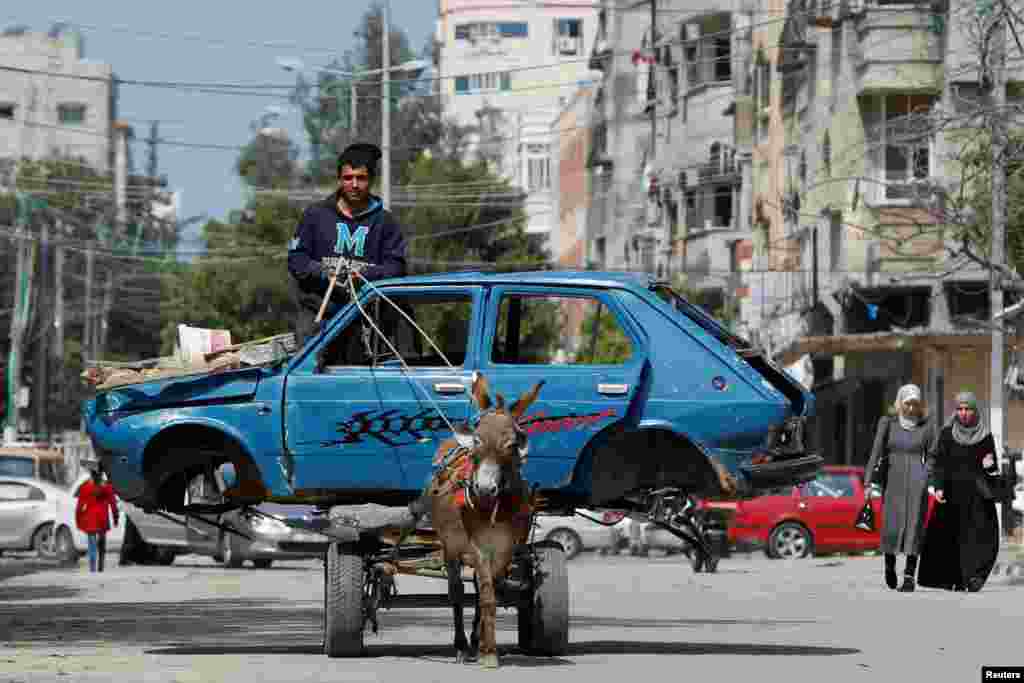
pixel 816 516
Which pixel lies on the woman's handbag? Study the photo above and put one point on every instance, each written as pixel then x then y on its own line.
pixel 866 517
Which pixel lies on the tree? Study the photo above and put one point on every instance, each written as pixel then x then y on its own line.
pixel 452 223
pixel 269 160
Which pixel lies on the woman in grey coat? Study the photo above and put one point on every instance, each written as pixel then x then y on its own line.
pixel 898 465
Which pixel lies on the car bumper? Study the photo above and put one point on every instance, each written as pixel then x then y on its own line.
pixel 285 550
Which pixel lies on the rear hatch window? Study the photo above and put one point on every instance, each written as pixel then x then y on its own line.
pixel 772 374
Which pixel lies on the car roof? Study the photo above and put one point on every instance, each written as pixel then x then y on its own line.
pixel 565 278
pixel 46 485
pixel 837 469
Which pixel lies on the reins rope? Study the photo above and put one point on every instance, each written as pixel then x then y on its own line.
pixel 352 290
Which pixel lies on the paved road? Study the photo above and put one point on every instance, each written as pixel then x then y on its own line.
pixel 823 619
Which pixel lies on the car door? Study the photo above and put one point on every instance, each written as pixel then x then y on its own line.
pixel 828 505
pixel 588 352
pixel 360 418
pixel 20 506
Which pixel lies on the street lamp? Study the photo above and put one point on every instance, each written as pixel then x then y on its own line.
pixel 297 65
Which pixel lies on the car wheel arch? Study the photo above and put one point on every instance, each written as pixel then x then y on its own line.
pixel 570 532
pixel 205 445
pixel 603 456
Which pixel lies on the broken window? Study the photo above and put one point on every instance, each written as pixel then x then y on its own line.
pixel 883 309
pixel 968 302
pixel 904 139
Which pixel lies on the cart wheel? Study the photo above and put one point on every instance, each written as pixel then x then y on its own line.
pixel 343 602
pixel 544 610
pixel 697 561
pixel 711 565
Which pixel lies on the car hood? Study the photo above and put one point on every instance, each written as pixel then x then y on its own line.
pixel 193 390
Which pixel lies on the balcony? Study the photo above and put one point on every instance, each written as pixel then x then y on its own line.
pixel 897 48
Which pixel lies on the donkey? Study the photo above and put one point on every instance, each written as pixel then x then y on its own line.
pixel 481 510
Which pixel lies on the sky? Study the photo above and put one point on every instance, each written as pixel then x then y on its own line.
pixel 211 41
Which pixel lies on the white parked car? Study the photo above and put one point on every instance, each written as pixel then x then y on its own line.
pixel 576 533
pixel 38 515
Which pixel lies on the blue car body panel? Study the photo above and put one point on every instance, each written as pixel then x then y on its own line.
pixel 358 428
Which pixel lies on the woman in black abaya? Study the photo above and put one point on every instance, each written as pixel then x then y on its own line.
pixel 962 540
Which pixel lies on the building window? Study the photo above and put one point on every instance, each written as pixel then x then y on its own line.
pixel 723 59
pixel 568 37
pixel 905 143
pixel 691 55
pixel 514 29
pixel 722 205
pixel 487 82
pixel 71 113
pixel 6 111
pixel 538 173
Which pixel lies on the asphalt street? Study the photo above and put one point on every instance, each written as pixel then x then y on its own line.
pixel 822 619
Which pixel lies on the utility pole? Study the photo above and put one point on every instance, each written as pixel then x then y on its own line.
pixel 152 167
pixel 17 323
pixel 87 336
pixel 997 126
pixel 40 358
pixel 652 93
pixel 58 302
pixel 385 109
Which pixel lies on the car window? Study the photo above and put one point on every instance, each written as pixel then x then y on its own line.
pixel 10 492
pixel 558 330
pixel 12 466
pixel 445 318
pixel 829 486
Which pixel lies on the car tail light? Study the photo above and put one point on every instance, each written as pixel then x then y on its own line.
pixel 760 459
pixel 612 517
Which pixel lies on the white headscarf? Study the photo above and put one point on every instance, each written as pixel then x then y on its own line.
pixel 908 392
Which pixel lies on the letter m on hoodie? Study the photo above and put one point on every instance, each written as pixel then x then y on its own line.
pixel 353 245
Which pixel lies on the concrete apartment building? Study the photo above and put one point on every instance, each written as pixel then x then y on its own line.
pixel 664 170
pixel 54 102
pixel 507 68
pixel 859 285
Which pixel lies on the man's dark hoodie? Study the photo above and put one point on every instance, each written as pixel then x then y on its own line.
pixel 325 234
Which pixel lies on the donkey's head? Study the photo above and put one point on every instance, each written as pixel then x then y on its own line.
pixel 499 444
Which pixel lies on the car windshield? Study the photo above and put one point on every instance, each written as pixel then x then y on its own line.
pixel 699 316
pixel 14 466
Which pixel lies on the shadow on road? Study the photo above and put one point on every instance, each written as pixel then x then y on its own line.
pixel 512 656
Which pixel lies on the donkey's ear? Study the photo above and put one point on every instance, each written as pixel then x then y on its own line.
pixel 480 391
pixel 525 401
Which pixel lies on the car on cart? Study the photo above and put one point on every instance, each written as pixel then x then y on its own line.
pixel 643 390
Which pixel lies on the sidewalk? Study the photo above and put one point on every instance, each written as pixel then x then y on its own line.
pixel 1009 564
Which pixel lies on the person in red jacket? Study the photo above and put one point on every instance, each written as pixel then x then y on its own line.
pixel 96 505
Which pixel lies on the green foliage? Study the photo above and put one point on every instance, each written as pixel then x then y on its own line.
pixel 603 340
pixel 443 236
pixel 250 294
pixel 974 199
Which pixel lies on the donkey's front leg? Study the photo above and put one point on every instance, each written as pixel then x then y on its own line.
pixel 456 594
pixel 488 614
pixel 474 637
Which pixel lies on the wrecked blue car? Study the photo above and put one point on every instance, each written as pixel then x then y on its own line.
pixel 642 390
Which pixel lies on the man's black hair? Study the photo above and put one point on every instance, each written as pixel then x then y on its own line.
pixel 361 155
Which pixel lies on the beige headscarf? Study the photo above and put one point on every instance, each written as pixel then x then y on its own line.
pixel 907 392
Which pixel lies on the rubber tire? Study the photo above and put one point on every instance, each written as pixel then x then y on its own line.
pixel 543 614
pixel 343 601
pixel 163 556
pixel 66 551
pixel 575 543
pixel 262 564
pixel 808 540
pixel 231 556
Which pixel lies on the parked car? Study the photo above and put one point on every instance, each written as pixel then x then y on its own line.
pixel 163 537
pixel 576 533
pixel 344 420
pixel 817 516
pixel 32 462
pixel 37 515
